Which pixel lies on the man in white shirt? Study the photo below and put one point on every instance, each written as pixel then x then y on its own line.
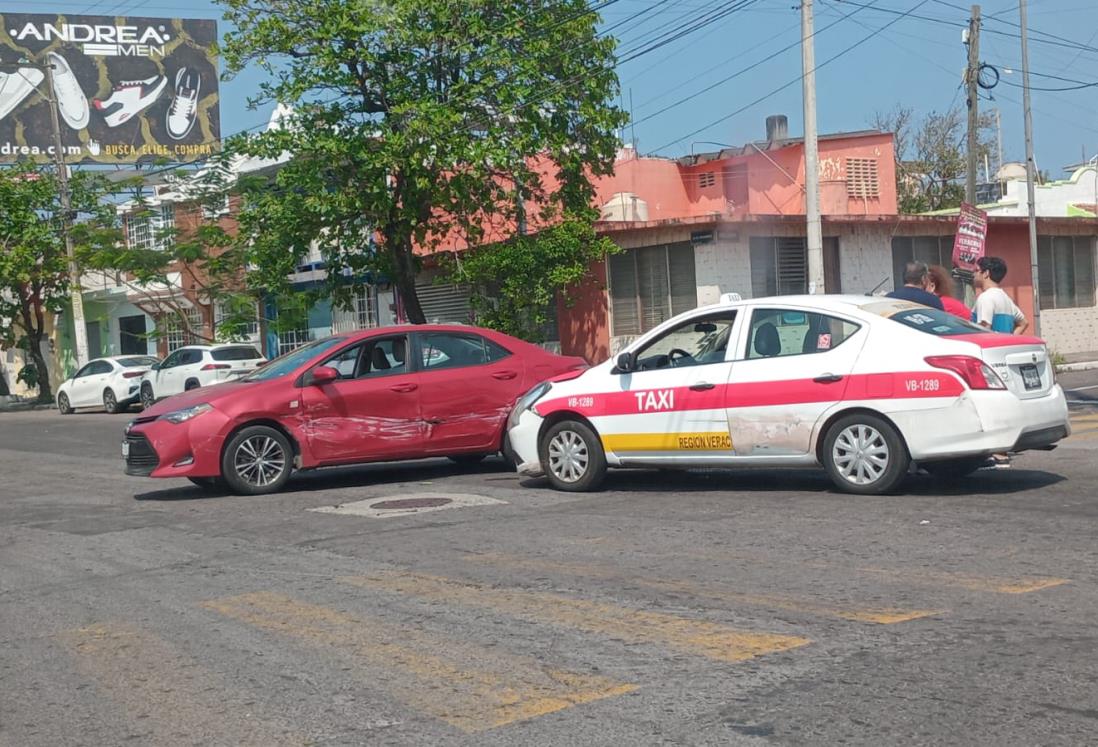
pixel 994 308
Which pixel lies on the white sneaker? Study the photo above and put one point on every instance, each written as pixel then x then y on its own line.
pixel 71 101
pixel 14 87
pixel 182 113
pixel 130 97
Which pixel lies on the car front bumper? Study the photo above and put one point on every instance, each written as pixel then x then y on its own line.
pixel 189 449
pixel 523 438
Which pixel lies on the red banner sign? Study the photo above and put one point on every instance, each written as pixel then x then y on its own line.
pixel 968 246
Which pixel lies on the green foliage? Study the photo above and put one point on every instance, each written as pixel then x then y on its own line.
pixel 417 124
pixel 515 283
pixel 34 277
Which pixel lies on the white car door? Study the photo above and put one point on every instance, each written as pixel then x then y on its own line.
pixel 94 382
pixel 163 377
pixel 669 408
pixel 190 367
pixel 81 385
pixel 795 364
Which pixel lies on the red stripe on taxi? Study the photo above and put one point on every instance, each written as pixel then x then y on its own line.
pixel 910 385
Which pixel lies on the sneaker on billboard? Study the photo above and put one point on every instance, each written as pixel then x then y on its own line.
pixel 130 97
pixel 16 86
pixel 184 109
pixel 71 101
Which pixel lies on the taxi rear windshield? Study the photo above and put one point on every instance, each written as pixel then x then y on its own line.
pixel 935 322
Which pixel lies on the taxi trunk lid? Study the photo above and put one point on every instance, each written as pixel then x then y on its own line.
pixel 1023 363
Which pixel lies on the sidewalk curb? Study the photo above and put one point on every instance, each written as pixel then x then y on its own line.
pixel 1080 366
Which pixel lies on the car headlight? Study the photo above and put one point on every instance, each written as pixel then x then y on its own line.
pixel 528 400
pixel 187 413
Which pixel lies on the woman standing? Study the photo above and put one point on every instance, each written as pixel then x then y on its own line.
pixel 940 284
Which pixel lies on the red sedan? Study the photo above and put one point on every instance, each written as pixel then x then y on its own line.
pixel 377 395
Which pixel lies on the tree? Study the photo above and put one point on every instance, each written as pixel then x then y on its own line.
pixel 930 156
pixel 516 283
pixel 418 126
pixel 34 278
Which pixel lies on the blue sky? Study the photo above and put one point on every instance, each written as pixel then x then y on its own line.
pixel 916 62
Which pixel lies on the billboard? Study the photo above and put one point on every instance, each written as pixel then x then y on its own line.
pixel 129 90
pixel 968 245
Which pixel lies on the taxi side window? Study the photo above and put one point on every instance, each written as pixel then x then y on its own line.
pixel 696 342
pixel 778 333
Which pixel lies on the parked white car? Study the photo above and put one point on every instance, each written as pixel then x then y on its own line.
pixel 859 385
pixel 112 384
pixel 195 366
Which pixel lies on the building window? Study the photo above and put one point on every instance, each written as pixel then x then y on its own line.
pixel 861 178
pixel 650 285
pixel 177 333
pixel 240 330
pixel 779 266
pixel 931 250
pixel 1065 267
pixel 151 229
pixel 361 315
pixel 707 179
pixel 215 206
pixel 291 340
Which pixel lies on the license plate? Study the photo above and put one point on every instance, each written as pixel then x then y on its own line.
pixel 1030 377
pixel 125 449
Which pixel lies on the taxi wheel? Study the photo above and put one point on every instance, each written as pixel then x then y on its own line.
pixel 571 455
pixel 257 460
pixel 864 454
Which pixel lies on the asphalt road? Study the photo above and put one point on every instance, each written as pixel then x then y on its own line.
pixel 671 608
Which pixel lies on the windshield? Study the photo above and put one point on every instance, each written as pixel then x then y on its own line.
pixel 290 362
pixel 135 362
pixel 935 322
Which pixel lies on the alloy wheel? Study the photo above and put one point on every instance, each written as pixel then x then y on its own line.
pixel 568 456
pixel 259 460
pixel 110 403
pixel 861 454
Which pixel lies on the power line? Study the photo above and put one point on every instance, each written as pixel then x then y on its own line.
pixel 798 78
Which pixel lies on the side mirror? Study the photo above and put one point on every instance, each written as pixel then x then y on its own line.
pixel 626 362
pixel 154 367
pixel 322 375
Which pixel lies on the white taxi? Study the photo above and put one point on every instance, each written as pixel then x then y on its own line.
pixel 863 385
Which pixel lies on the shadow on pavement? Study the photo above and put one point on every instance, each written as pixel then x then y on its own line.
pixel 359 476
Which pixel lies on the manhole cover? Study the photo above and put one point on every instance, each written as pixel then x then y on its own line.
pixel 412 503
pixel 381 507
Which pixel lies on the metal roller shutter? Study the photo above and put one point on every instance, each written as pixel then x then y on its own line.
pixel 445 303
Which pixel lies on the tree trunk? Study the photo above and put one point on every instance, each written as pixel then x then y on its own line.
pixel 4 391
pixel 45 391
pixel 405 279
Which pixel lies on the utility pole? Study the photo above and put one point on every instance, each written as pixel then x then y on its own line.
pixel 811 155
pixel 972 79
pixel 80 329
pixel 1031 169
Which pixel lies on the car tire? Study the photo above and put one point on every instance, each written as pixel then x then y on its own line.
pixel 63 405
pixel 110 402
pixel 257 460
pixel 467 460
pixel 955 469
pixel 210 484
pixel 147 397
pixel 864 454
pixel 191 384
pixel 572 457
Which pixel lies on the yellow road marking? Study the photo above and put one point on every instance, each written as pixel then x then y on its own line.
pixel 878 615
pixel 164 690
pixel 699 637
pixel 1022 585
pixel 494 689
pixel 688 441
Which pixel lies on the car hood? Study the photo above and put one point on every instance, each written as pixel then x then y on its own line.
pixel 209 394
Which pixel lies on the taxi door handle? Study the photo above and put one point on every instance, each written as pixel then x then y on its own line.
pixel 404 387
pixel 504 375
pixel 702 386
pixel 828 378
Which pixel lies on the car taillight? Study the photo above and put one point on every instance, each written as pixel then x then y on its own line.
pixel 132 374
pixel 974 372
pixel 216 367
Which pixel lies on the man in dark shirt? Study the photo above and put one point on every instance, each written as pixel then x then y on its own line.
pixel 914 289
